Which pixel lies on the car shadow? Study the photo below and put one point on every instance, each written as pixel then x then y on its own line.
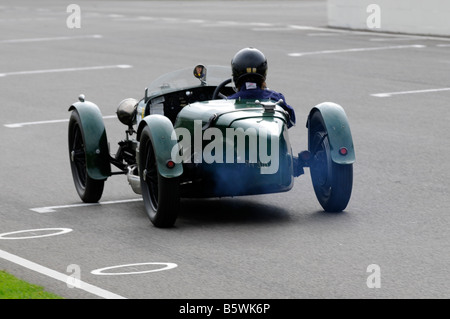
pixel 223 211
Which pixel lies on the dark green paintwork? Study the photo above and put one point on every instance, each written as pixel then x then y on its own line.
pixel 243 115
pixel 96 142
pixel 338 129
pixel 161 130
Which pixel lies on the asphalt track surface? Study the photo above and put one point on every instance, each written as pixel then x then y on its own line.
pixel 395 90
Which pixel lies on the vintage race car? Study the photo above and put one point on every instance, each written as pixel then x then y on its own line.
pixel 184 138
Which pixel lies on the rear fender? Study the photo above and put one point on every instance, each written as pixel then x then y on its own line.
pixel 339 135
pixel 96 143
pixel 161 132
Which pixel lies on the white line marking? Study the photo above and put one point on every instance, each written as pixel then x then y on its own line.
pixel 94 36
pixel 103 273
pixel 101 67
pixel 52 209
pixel 306 27
pixel 443 45
pixel 389 94
pixel 323 34
pixel 357 50
pixel 140 18
pixel 274 29
pixel 261 24
pixel 58 276
pixel 372 33
pixel 196 21
pixel 16 125
pixel 395 39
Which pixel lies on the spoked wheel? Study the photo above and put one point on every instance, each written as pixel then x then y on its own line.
pixel 332 182
pixel 89 190
pixel 161 195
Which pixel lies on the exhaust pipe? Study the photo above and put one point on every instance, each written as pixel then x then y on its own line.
pixel 134 180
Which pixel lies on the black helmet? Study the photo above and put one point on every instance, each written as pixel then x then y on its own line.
pixel 249 64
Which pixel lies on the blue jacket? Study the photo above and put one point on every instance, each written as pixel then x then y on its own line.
pixel 252 91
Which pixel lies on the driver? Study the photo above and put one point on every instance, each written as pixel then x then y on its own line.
pixel 249 70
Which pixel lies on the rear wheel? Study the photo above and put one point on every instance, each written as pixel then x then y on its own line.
pixel 161 195
pixel 332 182
pixel 89 190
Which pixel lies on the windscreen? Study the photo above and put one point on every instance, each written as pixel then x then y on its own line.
pixel 184 79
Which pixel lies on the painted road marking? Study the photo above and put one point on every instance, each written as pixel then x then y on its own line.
pixel 400 38
pixel 59 276
pixel 389 94
pixel 52 209
pixel 103 272
pixel 94 36
pixel 32 232
pixel 358 50
pixel 89 68
pixel 16 125
pixel 371 33
pixel 274 29
pixel 322 34
pixel 196 21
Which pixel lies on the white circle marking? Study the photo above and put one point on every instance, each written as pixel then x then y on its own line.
pixel 103 273
pixel 59 231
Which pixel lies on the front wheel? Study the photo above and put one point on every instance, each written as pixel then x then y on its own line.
pixel 90 190
pixel 160 194
pixel 332 182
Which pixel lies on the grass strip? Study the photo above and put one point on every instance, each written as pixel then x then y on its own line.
pixel 14 288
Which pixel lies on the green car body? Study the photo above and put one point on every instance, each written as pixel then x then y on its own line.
pixel 96 142
pixel 338 127
pixel 243 154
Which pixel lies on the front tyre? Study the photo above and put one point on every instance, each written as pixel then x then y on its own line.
pixel 160 194
pixel 89 190
pixel 332 182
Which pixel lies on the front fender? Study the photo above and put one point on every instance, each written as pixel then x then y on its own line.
pixel 339 135
pixel 161 132
pixel 96 143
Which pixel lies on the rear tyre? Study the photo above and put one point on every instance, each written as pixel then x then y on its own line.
pixel 161 195
pixel 332 182
pixel 89 190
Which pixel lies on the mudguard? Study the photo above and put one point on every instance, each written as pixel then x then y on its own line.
pixel 161 130
pixel 96 143
pixel 339 134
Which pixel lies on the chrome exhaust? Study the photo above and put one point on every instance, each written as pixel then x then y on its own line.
pixel 133 179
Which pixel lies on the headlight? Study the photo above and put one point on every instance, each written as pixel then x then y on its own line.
pixel 126 111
